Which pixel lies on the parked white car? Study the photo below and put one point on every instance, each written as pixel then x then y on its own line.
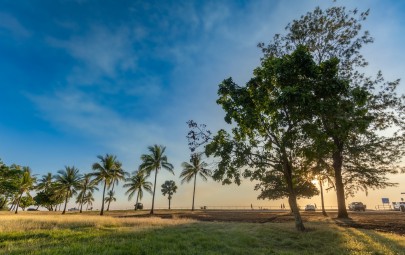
pixel 397 205
pixel 310 208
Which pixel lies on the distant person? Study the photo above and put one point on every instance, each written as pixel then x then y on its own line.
pixel 251 206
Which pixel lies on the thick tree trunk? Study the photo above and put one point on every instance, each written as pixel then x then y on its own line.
pixel 322 201
pixel 195 179
pixel 292 198
pixel 340 192
pixel 102 201
pixel 299 224
pixel 154 189
pixel 66 199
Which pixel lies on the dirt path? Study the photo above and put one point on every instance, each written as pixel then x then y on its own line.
pixel 385 221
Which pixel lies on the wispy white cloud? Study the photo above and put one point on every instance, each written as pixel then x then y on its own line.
pixel 75 111
pixel 101 52
pixel 12 25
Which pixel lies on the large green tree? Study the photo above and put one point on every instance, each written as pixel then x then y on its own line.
pixel 194 168
pixel 103 173
pixel 169 188
pixel 26 201
pixel 136 184
pixel 267 143
pixel 155 161
pixel 48 194
pixel 354 120
pixel 9 183
pixel 68 181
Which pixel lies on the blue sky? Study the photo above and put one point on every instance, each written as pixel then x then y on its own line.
pixel 84 78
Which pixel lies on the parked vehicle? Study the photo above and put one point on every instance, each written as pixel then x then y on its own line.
pixel 357 206
pixel 32 209
pixel 138 206
pixel 73 209
pixel 397 205
pixel 310 208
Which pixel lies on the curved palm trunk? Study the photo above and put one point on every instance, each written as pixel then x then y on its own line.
pixel 66 199
pixel 102 201
pixel 18 204
pixel 81 200
pixel 195 179
pixel 322 200
pixel 109 201
pixel 12 206
pixel 154 189
pixel 136 203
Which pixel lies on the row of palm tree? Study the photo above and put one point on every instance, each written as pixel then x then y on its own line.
pixel 59 189
pixel 156 161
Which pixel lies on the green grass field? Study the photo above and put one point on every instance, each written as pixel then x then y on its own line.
pixel 90 234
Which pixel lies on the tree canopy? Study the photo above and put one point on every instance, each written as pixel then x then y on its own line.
pixel 356 121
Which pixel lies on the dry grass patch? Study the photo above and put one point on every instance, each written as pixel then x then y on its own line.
pixel 27 222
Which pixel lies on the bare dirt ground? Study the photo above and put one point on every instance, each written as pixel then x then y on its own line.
pixel 384 221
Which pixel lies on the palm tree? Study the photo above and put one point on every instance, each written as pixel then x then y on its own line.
pixel 88 200
pixel 137 183
pixel 58 195
pixel 26 183
pixel 117 174
pixel 45 182
pixel 154 162
pixel 87 185
pixel 68 181
pixel 190 171
pixel 169 187
pixel 103 171
pixel 110 197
